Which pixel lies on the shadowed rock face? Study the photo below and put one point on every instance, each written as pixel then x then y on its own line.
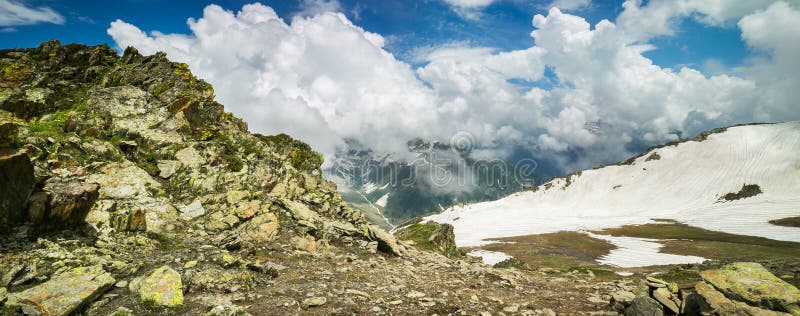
pixel 16 175
pixel 69 203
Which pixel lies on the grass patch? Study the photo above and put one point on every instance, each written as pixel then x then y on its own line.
pixel 419 234
pixel 561 250
pixel 681 277
pixel 788 222
pixel 689 240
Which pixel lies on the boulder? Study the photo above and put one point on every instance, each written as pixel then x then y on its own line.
pixel 190 157
pixel 751 283
pixel 708 301
pixel 386 241
pixel 16 174
pixel 162 288
pixel 665 297
pixel 644 306
pixel 302 214
pixel 314 301
pixel 70 202
pixel 65 293
pixel 167 168
pixel 259 230
pixel 193 210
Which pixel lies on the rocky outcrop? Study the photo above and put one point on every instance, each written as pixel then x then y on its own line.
pixel 742 288
pixel 16 170
pixel 751 283
pixel 431 236
pixel 64 294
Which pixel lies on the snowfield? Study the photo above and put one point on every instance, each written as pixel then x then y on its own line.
pixel 684 182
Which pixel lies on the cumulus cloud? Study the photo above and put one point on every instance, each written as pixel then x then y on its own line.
pixel 570 4
pixel 16 13
pixel 468 9
pixel 314 7
pixel 323 79
pixel 469 3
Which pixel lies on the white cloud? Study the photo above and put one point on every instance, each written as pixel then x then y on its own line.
pixel 332 77
pixel 16 13
pixel 570 4
pixel 314 7
pixel 469 3
pixel 324 79
pixel 468 9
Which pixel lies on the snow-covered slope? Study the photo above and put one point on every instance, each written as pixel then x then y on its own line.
pixel 684 182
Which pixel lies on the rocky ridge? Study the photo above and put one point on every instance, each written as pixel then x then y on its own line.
pixel 129 190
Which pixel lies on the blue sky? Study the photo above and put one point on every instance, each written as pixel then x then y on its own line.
pixel 503 25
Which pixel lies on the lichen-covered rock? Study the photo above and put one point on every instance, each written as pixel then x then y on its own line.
pixel 709 301
pixel 65 293
pixel 751 283
pixel 167 168
pixel 259 230
pixel 123 180
pixel 162 288
pixel 193 210
pixel 16 173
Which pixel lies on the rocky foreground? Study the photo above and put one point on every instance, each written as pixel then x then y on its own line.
pixel 127 190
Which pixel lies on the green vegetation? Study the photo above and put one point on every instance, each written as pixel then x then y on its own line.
pixel 748 190
pixel 235 164
pixel 681 276
pixel 300 153
pixel 688 240
pixel 561 250
pixel 788 222
pixel 162 88
pixel 512 263
pixel 597 272
pixel 420 234
pixel 50 125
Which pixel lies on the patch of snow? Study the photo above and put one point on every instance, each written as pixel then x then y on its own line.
pixel 489 257
pixel 369 188
pixel 624 273
pixel 639 252
pixel 685 184
pixel 391 226
pixel 382 200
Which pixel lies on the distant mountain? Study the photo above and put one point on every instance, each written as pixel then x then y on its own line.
pixel 391 190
